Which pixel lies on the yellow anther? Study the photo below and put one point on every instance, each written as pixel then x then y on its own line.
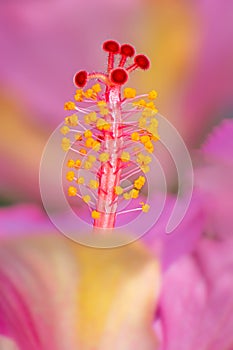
pixel 88 134
pixel 90 118
pixel 134 193
pixel 64 130
pixel 144 139
pixel 145 168
pixel 91 158
pixel 143 160
pixel 80 180
pixel 96 88
pixel 149 146
pixel 152 95
pixel 70 176
pixel 139 183
pixel 125 156
pixel 142 122
pixel 101 103
pixel 129 93
pixel 72 120
pixel 119 190
pixel 95 214
pixel 79 95
pixel 83 151
pixel 89 142
pixel 72 191
pixel 103 111
pixel 78 137
pixel 70 163
pixel 96 146
pixel 140 103
pixel 65 144
pixel 87 165
pixel 104 157
pixel 135 136
pixel 94 184
pixel 145 207
pixel 149 112
pixel 69 106
pixel 86 198
pixel 101 124
pixel 127 196
pixel 77 164
pixel 90 94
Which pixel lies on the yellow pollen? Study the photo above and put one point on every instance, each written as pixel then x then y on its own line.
pixel 94 184
pixel 127 196
pixel 64 130
pixel 90 118
pixel 125 156
pixel 96 145
pixel 140 103
pixel 65 144
pixel 83 151
pixel 78 137
pixel 79 95
pixel 89 142
pixel 88 134
pixel 72 120
pixel 87 165
pixel 119 190
pixel 144 139
pixel 91 158
pixel 69 106
pixel 145 207
pixel 80 180
pixel 70 176
pixel 103 111
pixel 77 164
pixel 70 163
pixel 104 157
pixel 102 124
pixel 96 88
pixel 95 214
pixel 135 136
pixel 152 95
pixel 134 193
pixel 139 183
pixel 142 122
pixel 72 191
pixel 149 146
pixel 145 168
pixel 86 198
pixel 101 103
pixel 129 93
pixel 90 94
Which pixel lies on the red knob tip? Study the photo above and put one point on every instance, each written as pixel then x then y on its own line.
pixel 119 76
pixel 80 78
pixel 127 50
pixel 142 61
pixel 111 46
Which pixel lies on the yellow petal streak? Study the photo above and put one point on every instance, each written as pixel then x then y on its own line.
pixel 116 298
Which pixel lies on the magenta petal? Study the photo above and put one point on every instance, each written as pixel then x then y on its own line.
pixel 196 309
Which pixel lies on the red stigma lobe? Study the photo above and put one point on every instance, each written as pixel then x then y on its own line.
pixel 119 76
pixel 80 78
pixel 111 46
pixel 142 61
pixel 127 50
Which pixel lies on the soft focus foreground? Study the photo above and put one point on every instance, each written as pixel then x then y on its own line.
pixel 56 294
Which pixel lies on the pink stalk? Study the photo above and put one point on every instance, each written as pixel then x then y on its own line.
pixel 110 172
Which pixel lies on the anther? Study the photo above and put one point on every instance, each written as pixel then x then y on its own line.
pixel 119 76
